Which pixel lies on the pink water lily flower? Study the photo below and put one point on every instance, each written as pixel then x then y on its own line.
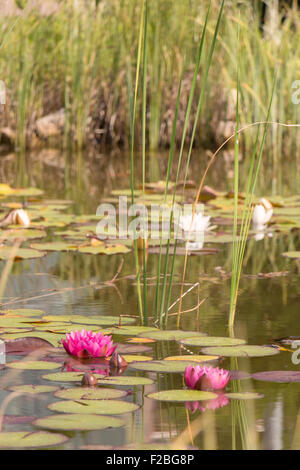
pixel 206 378
pixel 88 344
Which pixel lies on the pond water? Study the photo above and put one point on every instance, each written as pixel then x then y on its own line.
pixel 72 284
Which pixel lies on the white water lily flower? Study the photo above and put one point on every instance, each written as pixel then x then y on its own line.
pixel 196 223
pixel 262 214
pixel 20 217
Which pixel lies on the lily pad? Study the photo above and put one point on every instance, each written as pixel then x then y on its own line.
pixel 68 376
pixel 101 407
pixel 28 234
pixel 26 312
pixel 29 439
pixel 279 376
pixel 125 380
pixel 100 320
pixel 241 351
pixel 171 335
pixel 51 338
pixel 193 357
pixel 136 358
pixel 182 395
pixel 78 422
pixel 162 366
pixel 243 395
pixel 104 250
pixel 132 330
pixel 33 365
pixel 8 252
pixel 33 389
pixel 54 246
pixel 292 254
pixel 88 393
pixel 212 341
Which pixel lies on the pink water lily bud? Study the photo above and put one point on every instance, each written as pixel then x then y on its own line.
pixel 206 378
pixel 86 344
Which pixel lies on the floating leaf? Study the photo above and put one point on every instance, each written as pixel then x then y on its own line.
pixel 23 312
pixel 212 341
pixel 243 395
pixel 241 351
pixel 162 366
pixel 292 254
pixel 192 357
pixel 51 338
pixel 104 250
pixel 54 246
pixel 182 395
pixel 111 407
pixel 78 422
pixel 28 234
pixel 33 389
pixel 132 330
pixel 125 380
pixel 33 365
pixel 68 376
pixel 8 252
pixel 25 344
pixel 135 358
pixel 100 320
pixel 279 376
pixel 88 393
pixel 29 439
pixel 171 335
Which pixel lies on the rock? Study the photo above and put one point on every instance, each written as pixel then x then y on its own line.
pixel 51 125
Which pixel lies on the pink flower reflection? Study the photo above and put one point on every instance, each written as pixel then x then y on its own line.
pixel 218 402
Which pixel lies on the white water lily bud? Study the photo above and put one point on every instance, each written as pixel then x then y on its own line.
pixel 262 213
pixel 20 217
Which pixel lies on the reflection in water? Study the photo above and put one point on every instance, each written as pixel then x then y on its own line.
pixel 273 435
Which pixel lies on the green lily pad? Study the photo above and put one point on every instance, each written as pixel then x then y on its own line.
pixel 132 330
pixel 104 250
pixel 8 252
pixel 101 320
pixel 241 351
pixel 192 357
pixel 292 254
pixel 162 366
pixel 243 395
pixel 78 422
pixel 28 234
pixel 212 341
pixel 125 380
pixel 100 407
pixel 33 365
pixel 27 192
pixel 182 395
pixel 136 358
pixel 88 393
pixel 33 389
pixel 171 335
pixel 29 439
pixel 68 376
pixel 54 246
pixel 27 312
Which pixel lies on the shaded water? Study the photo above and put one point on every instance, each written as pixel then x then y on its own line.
pixel 267 308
